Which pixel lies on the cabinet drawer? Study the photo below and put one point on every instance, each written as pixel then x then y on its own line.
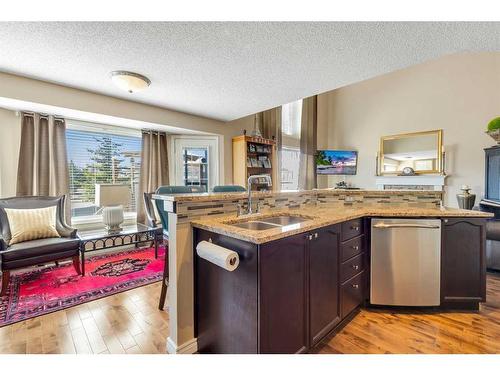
pixel 351 248
pixel 352 229
pixel 352 267
pixel 351 294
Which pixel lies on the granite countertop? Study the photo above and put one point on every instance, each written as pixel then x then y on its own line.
pixel 206 197
pixel 319 217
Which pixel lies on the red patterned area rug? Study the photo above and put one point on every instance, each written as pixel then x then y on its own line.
pixel 44 290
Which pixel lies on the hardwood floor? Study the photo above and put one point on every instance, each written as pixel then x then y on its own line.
pixel 128 322
pixel 386 331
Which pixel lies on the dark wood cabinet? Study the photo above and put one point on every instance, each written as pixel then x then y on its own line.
pixel 492 173
pixel 287 295
pixel 352 294
pixel 353 262
pixel 352 247
pixel 352 267
pixel 226 311
pixel 283 296
pixel 352 228
pixel 324 280
pixel 463 268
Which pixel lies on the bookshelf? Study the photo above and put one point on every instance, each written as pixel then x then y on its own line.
pixel 251 156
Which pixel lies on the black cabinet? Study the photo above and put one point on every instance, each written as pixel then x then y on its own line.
pixel 324 281
pixel 492 173
pixel 283 296
pixel 287 295
pixel 226 311
pixel 353 261
pixel 463 268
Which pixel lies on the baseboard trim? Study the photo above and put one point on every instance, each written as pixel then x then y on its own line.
pixel 189 347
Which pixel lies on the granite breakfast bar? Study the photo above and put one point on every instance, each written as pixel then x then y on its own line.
pixel 212 215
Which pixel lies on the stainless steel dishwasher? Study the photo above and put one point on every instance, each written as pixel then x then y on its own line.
pixel 405 262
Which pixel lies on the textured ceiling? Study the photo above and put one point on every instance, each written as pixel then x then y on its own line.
pixel 228 70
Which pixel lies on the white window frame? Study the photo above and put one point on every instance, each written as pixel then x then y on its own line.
pixel 93 221
pixel 289 148
pixel 215 157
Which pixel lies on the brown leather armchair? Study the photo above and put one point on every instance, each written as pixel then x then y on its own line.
pixel 31 253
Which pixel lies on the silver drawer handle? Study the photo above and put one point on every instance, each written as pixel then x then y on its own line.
pixel 315 235
pixel 356 267
pixel 355 228
pixel 405 225
pixel 355 286
pixel 355 247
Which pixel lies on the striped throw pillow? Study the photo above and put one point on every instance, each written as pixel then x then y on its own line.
pixel 31 224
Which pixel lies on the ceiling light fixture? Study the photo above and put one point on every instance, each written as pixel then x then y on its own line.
pixel 129 81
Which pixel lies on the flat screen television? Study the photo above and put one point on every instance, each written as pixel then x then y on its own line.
pixel 337 162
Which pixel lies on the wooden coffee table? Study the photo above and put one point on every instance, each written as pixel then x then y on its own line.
pixel 101 239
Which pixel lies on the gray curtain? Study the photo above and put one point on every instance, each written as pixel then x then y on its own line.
pixel 154 167
pixel 308 143
pixel 270 126
pixel 43 161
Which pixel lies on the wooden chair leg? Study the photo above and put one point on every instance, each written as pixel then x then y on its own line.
pixel 164 282
pixel 5 282
pixel 163 295
pixel 76 264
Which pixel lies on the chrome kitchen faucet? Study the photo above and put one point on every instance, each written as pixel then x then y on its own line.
pixel 251 179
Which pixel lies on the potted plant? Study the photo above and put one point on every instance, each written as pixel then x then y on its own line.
pixel 494 129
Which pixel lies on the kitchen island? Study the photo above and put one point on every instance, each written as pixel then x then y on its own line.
pixel 317 270
pixel 297 283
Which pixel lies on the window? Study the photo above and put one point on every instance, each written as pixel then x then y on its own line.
pixel 195 161
pixel 290 160
pixel 99 155
pixel 195 166
pixel 291 118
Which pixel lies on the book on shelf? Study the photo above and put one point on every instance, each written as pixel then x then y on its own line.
pixel 261 149
pixel 264 162
pixel 255 163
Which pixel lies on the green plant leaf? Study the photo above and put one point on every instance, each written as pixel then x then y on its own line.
pixel 494 124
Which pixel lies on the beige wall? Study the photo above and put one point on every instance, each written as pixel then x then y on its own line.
pixel 30 90
pixel 10 138
pixel 457 93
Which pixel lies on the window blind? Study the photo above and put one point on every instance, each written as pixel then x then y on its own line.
pixel 98 155
pixel 291 118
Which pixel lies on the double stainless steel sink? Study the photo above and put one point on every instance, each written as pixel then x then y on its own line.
pixel 270 222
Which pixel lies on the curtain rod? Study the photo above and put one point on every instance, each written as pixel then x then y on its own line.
pixel 150 131
pixel 32 114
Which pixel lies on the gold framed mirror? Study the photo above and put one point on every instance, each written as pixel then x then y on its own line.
pixel 421 151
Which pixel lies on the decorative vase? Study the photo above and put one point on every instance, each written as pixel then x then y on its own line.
pixel 256 131
pixel 466 200
pixel 112 217
pixel 495 134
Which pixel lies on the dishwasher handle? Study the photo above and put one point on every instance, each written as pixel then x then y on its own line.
pixel 405 225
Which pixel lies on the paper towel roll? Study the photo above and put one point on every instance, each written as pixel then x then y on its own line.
pixel 222 257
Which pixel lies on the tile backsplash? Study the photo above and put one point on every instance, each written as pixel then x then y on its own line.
pixel 189 210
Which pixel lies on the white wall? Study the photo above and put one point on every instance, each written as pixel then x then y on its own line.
pixel 10 139
pixel 457 93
